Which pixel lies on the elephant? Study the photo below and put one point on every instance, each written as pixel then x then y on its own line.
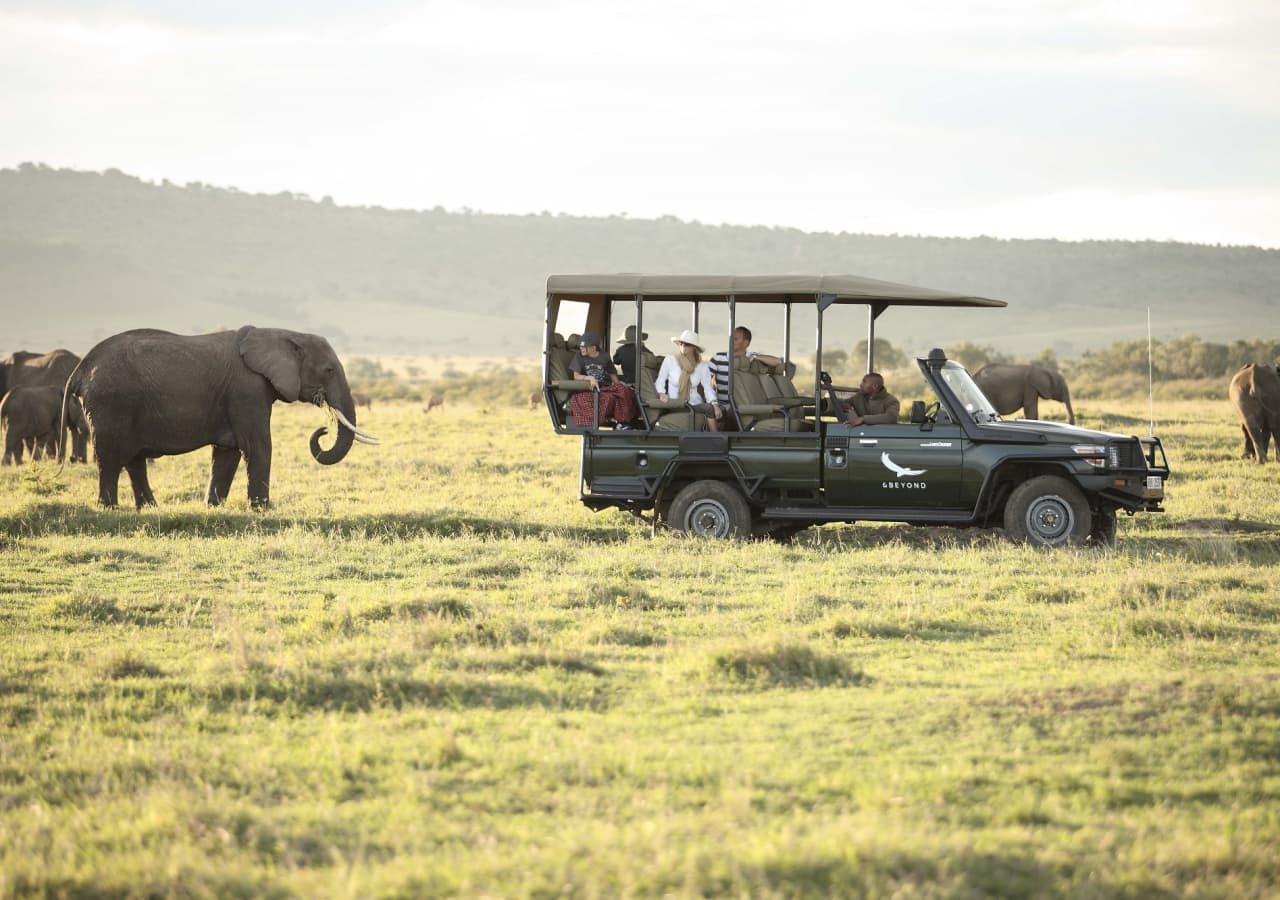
pixel 1012 387
pixel 1255 393
pixel 149 393
pixel 27 369
pixel 31 417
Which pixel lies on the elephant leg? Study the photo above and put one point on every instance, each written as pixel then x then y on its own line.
pixel 225 462
pixel 1248 444
pixel 1031 405
pixel 258 461
pixel 1256 434
pixel 137 469
pixel 108 482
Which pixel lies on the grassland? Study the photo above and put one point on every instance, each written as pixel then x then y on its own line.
pixel 429 671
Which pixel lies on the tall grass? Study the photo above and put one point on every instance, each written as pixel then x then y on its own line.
pixel 430 671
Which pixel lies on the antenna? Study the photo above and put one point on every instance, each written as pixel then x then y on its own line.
pixel 1151 384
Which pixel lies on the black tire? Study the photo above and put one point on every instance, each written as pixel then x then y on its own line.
pixel 1103 532
pixel 710 509
pixel 1048 511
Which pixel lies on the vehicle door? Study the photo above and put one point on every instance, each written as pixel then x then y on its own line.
pixel 899 466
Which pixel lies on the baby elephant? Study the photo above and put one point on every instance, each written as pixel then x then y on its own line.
pixel 31 417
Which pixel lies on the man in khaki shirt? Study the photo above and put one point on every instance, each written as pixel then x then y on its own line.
pixel 872 405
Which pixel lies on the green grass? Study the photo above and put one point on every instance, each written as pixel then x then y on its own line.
pixel 430 671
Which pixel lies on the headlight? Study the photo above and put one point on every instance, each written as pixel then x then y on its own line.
pixel 1094 454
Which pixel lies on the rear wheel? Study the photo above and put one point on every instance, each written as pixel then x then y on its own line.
pixel 710 509
pixel 1048 511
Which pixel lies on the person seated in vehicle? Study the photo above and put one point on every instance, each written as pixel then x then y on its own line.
pixel 625 356
pixel 686 377
pixel 618 404
pixel 720 361
pixel 872 404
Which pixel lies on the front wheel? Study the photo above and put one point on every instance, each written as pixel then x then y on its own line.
pixel 711 509
pixel 1048 511
pixel 1103 533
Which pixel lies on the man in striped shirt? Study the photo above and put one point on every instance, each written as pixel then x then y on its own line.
pixel 720 361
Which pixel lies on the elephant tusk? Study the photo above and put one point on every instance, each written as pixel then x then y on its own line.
pixel 362 436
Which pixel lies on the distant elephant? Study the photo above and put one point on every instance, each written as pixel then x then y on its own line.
pixel 150 393
pixel 362 400
pixel 1013 387
pixel 30 417
pixel 1255 393
pixel 52 369
pixel 433 401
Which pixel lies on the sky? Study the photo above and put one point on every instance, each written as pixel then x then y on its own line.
pixel 1069 119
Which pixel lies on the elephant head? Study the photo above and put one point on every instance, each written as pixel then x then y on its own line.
pixel 304 368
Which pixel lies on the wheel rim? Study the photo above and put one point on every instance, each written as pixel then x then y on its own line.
pixel 707 518
pixel 1050 519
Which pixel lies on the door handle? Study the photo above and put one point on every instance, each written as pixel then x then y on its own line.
pixel 867 442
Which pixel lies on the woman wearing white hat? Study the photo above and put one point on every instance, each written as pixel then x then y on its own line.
pixel 684 376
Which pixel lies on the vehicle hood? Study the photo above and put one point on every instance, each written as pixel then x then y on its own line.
pixel 1040 431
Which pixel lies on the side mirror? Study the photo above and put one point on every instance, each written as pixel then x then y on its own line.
pixel 917 412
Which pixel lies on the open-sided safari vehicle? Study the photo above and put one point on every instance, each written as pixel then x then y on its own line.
pixel 792 461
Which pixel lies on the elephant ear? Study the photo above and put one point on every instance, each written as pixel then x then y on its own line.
pixel 274 354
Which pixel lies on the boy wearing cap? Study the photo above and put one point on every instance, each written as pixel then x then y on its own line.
pixel 617 401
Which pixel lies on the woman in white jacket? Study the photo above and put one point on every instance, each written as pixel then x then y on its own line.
pixel 684 376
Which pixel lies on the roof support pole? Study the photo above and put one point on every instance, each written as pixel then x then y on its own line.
pixel 822 302
pixel 733 323
pixel 873 313
pixel 635 365
pixel 786 332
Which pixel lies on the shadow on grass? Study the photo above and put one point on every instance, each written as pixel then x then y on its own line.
pixel 79 519
pixel 884 872
pixel 928 630
pixel 302 693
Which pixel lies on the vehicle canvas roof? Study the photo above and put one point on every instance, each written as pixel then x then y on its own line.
pixel 763 288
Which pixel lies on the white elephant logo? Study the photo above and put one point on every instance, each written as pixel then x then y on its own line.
pixel 899 471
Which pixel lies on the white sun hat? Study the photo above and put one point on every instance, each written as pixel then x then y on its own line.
pixel 689 337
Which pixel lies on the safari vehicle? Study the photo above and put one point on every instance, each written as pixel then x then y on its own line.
pixel 793 462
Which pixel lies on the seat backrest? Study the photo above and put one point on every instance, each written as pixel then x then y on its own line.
pixel 749 391
pixel 646 375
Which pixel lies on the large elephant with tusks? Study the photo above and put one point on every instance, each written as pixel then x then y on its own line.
pixel 1014 387
pixel 149 393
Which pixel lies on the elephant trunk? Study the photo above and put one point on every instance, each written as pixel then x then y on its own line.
pixel 346 436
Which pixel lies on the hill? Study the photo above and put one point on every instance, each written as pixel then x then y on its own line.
pixel 85 254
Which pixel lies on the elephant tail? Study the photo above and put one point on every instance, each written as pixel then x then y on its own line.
pixel 71 389
pixel 1066 400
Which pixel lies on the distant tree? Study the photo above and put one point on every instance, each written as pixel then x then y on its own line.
pixel 887 355
pixel 835 360
pixel 1047 359
pixel 363 367
pixel 974 356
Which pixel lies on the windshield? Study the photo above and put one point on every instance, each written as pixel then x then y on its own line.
pixel 968 393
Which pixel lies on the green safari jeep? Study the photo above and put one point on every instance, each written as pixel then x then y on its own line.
pixel 787 459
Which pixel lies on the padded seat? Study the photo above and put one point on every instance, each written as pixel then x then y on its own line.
pixel 757 389
pixel 663 415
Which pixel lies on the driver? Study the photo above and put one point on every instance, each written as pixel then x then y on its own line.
pixel 872 404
